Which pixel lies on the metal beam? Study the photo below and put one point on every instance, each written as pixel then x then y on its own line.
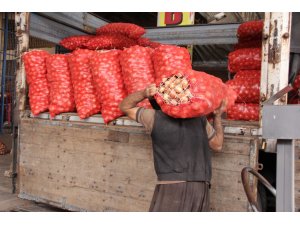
pixel 55 26
pixel 79 20
pixel 195 35
pixel 210 64
pixel 46 29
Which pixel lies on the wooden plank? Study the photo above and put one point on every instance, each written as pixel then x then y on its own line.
pixel 107 197
pixel 229 162
pixel 83 125
pixel 228 181
pixel 102 133
pixel 72 191
pixel 228 205
pixel 234 145
pixel 239 123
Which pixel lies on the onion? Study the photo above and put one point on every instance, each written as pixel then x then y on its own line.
pixel 184 83
pixel 167 83
pixel 178 81
pixel 184 99
pixel 173 102
pixel 179 75
pixel 188 93
pixel 178 89
pixel 166 97
pixel 182 95
pixel 172 86
pixel 173 94
pixel 161 89
pixel 172 79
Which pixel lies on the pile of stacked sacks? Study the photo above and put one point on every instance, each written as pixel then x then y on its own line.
pixel 245 63
pixel 102 70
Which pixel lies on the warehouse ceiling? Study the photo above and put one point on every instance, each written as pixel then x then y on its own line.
pixel 149 19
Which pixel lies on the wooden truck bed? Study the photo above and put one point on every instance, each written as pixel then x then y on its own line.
pixel 83 166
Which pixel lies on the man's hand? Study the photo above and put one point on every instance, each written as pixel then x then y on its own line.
pixel 150 91
pixel 219 111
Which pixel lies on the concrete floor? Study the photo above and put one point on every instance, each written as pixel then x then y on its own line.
pixel 10 202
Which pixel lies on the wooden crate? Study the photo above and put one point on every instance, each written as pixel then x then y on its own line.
pixel 94 167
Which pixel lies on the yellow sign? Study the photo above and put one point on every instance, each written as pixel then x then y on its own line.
pixel 176 19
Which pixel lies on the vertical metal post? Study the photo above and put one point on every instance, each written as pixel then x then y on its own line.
pixel 22 32
pixel 275 54
pixel 2 114
pixel 285 191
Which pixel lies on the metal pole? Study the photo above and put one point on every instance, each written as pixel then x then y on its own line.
pixel 3 72
pixel 22 33
pixel 285 199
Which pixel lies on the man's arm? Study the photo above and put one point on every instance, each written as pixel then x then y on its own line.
pixel 128 105
pixel 216 143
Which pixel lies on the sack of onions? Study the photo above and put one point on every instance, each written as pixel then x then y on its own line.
pixel 190 93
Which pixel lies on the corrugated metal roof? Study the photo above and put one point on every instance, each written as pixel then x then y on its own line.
pixel 231 17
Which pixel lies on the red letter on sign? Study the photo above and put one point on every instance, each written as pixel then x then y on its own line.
pixel 173 18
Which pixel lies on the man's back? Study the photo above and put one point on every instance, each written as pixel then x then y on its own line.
pixel 180 148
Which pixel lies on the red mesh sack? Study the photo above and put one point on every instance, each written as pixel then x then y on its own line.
pixel 61 90
pixel 154 44
pixel 296 84
pixel 137 69
pixel 107 76
pixel 36 72
pixel 244 59
pixel 191 94
pixel 127 29
pixel 251 30
pixel 109 41
pixel 294 97
pixel 242 111
pixel 86 99
pixel 169 58
pixel 246 87
pixel 248 44
pixel 146 42
pixel 74 42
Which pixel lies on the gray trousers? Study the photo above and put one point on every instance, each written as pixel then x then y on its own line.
pixel 181 197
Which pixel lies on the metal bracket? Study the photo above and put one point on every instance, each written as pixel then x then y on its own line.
pixel 278 95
